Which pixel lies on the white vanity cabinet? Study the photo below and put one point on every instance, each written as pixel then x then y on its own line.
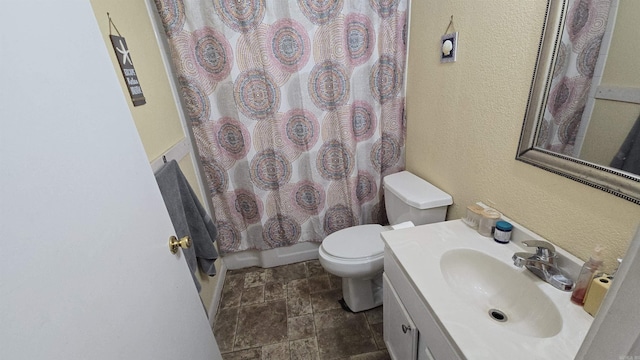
pixel 410 330
pixel 441 279
pixel 400 333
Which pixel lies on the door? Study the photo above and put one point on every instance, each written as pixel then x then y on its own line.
pixel 85 269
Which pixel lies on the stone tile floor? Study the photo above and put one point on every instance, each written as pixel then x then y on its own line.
pixel 292 312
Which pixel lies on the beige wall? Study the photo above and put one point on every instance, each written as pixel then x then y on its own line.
pixel 157 121
pixel 464 122
pixel 625 47
pixel 610 124
pixel 611 120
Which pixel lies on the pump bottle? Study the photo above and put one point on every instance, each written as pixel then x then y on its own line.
pixel 586 275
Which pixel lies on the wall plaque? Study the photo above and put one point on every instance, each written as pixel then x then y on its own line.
pixel 128 71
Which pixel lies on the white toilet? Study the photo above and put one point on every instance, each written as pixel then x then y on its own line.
pixel 356 253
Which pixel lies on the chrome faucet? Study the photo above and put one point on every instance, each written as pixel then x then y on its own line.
pixel 543 264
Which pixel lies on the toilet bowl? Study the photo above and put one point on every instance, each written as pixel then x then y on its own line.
pixel 356 254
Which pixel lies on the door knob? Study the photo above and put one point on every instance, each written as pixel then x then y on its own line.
pixel 174 243
pixel 405 328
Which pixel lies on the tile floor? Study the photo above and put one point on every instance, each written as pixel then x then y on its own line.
pixel 292 312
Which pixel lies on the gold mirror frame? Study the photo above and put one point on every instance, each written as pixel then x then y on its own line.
pixel 613 181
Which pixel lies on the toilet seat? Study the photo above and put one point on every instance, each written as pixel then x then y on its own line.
pixel 355 243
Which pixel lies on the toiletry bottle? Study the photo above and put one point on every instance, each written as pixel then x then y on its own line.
pixel 502 233
pixel 586 276
pixel 488 222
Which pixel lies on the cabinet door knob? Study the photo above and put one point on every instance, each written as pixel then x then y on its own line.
pixel 405 328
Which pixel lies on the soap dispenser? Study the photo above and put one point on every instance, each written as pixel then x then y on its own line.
pixel 586 276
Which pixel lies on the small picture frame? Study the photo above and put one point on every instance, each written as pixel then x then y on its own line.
pixel 449 47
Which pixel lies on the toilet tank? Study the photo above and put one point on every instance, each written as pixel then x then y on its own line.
pixel 410 198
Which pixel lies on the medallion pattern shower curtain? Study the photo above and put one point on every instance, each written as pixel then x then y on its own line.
pixel 585 24
pixel 297 111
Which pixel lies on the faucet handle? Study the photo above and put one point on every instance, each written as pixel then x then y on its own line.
pixel 544 249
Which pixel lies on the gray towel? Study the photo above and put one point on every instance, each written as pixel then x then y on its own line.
pixel 628 157
pixel 189 219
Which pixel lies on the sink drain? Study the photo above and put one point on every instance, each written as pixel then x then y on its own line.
pixel 498 315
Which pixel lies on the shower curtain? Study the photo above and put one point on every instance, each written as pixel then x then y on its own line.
pixel 297 110
pixel 585 24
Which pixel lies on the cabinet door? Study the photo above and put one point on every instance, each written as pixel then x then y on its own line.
pixel 400 333
pixel 424 353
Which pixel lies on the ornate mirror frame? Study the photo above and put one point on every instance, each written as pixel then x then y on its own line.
pixel 613 181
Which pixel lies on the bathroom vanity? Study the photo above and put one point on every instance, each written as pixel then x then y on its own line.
pixel 450 293
pixel 409 321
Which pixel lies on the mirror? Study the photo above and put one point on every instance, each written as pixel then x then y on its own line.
pixel 576 121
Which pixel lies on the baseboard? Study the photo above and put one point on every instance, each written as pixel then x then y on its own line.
pixel 217 294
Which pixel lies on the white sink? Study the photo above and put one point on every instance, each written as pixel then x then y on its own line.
pixel 500 292
pixel 463 276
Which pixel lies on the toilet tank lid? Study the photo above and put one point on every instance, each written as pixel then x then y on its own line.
pixel 415 191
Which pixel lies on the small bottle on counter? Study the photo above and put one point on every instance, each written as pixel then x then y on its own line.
pixel 596 293
pixel 488 222
pixel 586 276
pixel 502 233
pixel 473 216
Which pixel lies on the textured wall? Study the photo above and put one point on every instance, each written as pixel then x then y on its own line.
pixel 464 122
pixel 621 69
pixel 625 47
pixel 610 124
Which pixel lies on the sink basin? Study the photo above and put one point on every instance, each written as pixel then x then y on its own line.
pixel 500 292
pixel 487 307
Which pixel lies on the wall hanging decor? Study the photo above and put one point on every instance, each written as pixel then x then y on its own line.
pixel 126 65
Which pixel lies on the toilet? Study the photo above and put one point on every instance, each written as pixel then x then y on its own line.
pixel 356 254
